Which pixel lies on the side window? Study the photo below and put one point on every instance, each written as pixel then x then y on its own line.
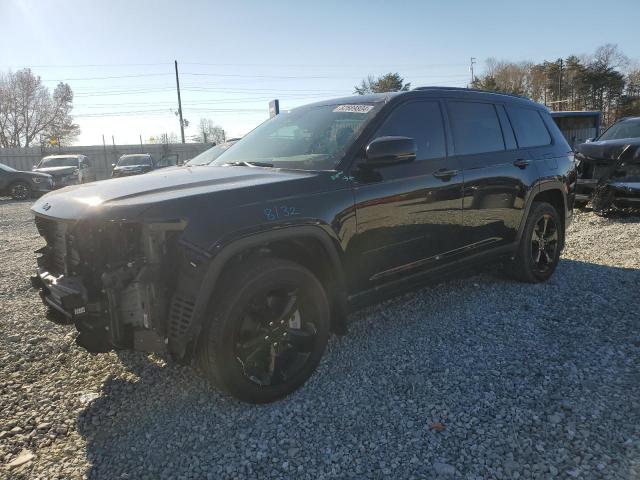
pixel 422 121
pixel 475 128
pixel 529 127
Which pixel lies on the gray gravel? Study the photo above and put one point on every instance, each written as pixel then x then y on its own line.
pixel 474 378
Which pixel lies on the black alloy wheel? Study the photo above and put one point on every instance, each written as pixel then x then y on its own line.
pixel 544 244
pixel 275 337
pixel 267 328
pixel 538 253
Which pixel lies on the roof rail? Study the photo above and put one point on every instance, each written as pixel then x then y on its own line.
pixel 471 90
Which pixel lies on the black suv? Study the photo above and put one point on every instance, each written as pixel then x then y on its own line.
pixel 247 264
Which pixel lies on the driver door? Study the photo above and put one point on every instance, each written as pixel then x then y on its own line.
pixel 409 215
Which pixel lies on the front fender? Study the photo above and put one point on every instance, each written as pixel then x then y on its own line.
pixel 200 272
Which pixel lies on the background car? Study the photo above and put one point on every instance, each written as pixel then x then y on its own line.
pixel 134 164
pixel 22 185
pixel 208 156
pixel 67 169
pixel 609 168
pixel 138 163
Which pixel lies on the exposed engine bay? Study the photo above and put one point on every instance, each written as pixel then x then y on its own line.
pixel 115 281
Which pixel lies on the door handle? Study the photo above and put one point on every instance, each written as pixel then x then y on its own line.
pixel 445 174
pixel 521 163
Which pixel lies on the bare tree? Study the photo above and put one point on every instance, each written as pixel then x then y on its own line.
pixel 163 138
pixel 28 111
pixel 209 132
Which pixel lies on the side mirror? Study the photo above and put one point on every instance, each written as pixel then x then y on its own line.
pixel 113 165
pixel 589 140
pixel 391 150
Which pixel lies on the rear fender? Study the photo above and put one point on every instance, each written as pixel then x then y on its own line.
pixel 539 187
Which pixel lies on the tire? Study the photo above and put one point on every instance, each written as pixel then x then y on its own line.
pixel 20 190
pixel 536 261
pixel 265 331
pixel 602 201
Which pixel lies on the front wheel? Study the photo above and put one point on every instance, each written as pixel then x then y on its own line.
pixel 539 250
pixel 267 330
pixel 20 191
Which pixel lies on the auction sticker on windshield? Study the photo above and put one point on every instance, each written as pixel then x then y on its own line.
pixel 353 108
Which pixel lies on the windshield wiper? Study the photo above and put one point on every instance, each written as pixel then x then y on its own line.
pixel 249 164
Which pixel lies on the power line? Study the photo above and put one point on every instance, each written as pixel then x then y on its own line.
pixel 137 75
pixel 200 102
pixel 241 64
pixel 88 65
pixel 233 75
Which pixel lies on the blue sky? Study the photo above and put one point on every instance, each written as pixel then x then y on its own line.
pixel 236 55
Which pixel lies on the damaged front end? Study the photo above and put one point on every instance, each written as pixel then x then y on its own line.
pixel 115 280
pixel 609 175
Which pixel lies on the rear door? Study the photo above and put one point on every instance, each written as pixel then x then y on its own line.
pixel 533 136
pixel 407 214
pixel 497 174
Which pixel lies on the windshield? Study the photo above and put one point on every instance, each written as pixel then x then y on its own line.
pixel 309 138
pixel 624 129
pixel 47 162
pixel 134 160
pixel 209 155
pixel 7 168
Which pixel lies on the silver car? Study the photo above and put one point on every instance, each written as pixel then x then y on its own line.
pixel 67 169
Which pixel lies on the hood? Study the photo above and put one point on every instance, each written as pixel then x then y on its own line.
pixel 56 171
pixel 608 149
pixel 36 174
pixel 126 168
pixel 128 197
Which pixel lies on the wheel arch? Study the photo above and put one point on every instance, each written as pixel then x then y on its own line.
pixel 18 181
pixel 552 192
pixel 310 245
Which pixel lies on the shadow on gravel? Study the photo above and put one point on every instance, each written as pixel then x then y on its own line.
pixel 533 379
pixel 8 201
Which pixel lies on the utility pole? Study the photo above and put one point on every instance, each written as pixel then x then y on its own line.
pixel 560 81
pixel 104 148
pixel 179 102
pixel 472 63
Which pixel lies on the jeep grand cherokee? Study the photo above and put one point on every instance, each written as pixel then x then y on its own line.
pixel 247 264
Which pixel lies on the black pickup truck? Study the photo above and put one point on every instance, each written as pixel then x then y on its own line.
pixel 247 264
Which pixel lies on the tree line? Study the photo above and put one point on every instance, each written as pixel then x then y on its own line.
pixel 606 80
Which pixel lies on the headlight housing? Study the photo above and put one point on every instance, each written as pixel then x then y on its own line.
pixel 75 173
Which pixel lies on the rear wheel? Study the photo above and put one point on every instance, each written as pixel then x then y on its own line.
pixel 266 331
pixel 20 191
pixel 539 251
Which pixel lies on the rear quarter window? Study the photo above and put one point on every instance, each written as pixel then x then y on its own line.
pixel 528 127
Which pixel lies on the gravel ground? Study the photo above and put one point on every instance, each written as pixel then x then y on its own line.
pixel 474 378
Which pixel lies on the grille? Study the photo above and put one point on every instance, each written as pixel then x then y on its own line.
pixel 180 316
pixel 55 235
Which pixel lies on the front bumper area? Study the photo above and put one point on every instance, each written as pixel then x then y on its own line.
pixel 60 182
pixel 68 297
pixel 623 194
